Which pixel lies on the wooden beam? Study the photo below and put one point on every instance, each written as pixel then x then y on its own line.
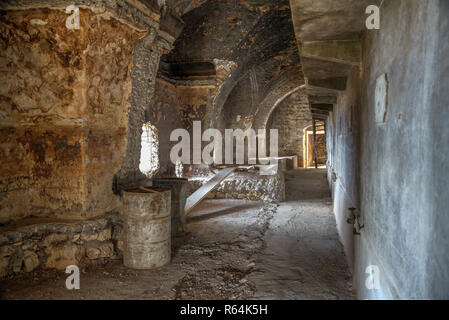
pixel 316 98
pixel 320 112
pixel 335 83
pixel 322 106
pixel 319 117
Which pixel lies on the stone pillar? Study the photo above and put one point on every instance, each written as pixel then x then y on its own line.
pixel 147 55
pixel 64 101
pixel 143 74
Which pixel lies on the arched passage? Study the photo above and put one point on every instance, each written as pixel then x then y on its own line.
pixel 272 101
pixel 290 116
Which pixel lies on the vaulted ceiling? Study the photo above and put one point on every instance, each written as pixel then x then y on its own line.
pixel 256 35
pixel 329 35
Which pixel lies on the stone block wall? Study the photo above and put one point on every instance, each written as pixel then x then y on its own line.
pixel 247 186
pixel 291 117
pixel 72 109
pixel 56 244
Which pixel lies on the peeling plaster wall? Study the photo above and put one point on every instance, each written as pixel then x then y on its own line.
pixel 64 104
pixel 291 117
pixel 165 115
pixel 143 73
pixel 176 107
pixel 403 162
pixel 342 148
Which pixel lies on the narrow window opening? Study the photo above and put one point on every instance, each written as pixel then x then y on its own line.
pixel 149 153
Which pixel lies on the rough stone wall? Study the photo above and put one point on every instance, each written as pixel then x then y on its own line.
pixel 179 102
pixel 108 64
pixel 165 115
pixel 64 105
pixel 176 107
pixel 291 117
pixel 194 102
pixel 402 162
pixel 58 244
pixel 246 185
pixel 143 74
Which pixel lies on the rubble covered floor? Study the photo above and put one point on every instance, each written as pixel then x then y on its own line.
pixel 235 249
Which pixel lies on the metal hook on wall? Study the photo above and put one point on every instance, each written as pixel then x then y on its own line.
pixel 354 219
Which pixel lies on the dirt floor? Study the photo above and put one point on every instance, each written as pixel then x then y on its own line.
pixel 235 249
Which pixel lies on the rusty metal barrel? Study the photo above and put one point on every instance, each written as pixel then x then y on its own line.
pixel 178 188
pixel 147 227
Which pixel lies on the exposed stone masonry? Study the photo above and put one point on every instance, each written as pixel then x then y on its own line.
pixel 291 117
pixel 62 138
pixel 246 185
pixel 56 244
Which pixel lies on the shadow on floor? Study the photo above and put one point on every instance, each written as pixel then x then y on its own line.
pixel 306 184
pixel 218 213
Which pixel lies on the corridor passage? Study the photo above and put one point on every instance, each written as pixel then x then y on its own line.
pixel 302 257
pixel 235 249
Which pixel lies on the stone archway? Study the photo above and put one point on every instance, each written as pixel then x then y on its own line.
pixel 271 102
pixel 290 116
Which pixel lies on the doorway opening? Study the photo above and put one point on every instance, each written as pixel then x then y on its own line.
pixel 308 147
